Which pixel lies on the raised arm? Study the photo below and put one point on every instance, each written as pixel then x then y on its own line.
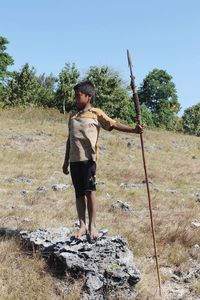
pixel 126 128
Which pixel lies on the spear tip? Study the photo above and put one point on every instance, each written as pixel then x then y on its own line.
pixel 129 58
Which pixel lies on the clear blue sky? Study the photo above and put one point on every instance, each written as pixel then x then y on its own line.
pixel 159 34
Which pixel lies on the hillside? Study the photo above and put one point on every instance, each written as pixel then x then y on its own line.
pixel 32 150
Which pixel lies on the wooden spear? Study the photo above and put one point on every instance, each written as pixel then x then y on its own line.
pixel 138 120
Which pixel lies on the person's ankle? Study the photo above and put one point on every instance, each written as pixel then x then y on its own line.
pixel 82 224
pixel 92 225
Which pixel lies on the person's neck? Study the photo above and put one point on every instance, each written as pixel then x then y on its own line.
pixel 87 107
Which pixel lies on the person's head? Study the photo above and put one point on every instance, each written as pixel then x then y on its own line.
pixel 84 93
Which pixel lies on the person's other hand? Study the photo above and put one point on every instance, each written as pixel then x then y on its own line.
pixel 65 168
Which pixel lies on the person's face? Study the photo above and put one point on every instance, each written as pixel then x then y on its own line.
pixel 82 100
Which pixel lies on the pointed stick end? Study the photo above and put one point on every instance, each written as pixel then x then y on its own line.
pixel 129 58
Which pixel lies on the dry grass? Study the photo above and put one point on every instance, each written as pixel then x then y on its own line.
pixel 22 276
pixel 196 286
pixel 33 146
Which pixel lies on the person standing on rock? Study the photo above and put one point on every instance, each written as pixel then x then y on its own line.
pixel 81 152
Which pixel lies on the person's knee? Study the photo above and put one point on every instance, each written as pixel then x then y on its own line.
pixel 88 193
pixel 80 198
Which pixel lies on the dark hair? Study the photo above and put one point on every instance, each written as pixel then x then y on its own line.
pixel 86 87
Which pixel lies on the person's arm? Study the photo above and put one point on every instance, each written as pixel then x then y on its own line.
pixel 108 124
pixel 126 128
pixel 66 160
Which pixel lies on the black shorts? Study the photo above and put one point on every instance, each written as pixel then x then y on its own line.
pixel 83 175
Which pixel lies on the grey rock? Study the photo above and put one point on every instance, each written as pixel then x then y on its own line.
pixel 41 189
pixel 95 282
pixel 175 278
pixel 129 185
pixel 179 285
pixel 198 196
pixel 100 183
pixel 121 205
pixel 40 132
pixel 19 179
pixel 60 187
pixel 192 273
pixel 196 246
pixel 24 193
pixel 107 263
pixel 103 231
pixel 195 224
pixel 23 179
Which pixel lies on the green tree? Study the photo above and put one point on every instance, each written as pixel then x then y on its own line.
pixel 147 117
pixel 191 120
pixel 22 88
pixel 68 77
pixel 5 61
pixel 46 90
pixel 158 93
pixel 111 95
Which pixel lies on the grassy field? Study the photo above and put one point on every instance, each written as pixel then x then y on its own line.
pixel 32 143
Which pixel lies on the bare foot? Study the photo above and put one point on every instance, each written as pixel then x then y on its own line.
pixel 82 231
pixel 93 233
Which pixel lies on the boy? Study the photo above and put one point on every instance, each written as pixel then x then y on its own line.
pixel 81 149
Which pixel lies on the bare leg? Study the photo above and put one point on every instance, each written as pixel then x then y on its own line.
pixel 91 206
pixel 81 208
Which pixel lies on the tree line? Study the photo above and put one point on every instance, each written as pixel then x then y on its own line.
pixel 157 93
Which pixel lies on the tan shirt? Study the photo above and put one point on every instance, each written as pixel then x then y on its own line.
pixel 84 128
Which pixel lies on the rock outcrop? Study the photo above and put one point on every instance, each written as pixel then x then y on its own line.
pixel 106 264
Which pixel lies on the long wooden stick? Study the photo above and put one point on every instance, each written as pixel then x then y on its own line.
pixel 138 120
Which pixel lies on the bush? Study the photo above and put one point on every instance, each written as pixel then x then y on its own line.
pixel 191 120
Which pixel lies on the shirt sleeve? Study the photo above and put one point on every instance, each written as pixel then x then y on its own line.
pixel 105 121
